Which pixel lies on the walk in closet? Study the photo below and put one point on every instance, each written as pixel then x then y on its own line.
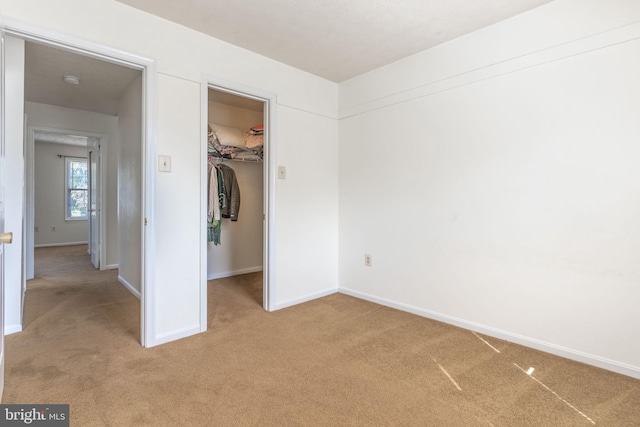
pixel 235 245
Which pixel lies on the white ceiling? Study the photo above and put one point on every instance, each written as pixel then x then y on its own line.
pixel 335 39
pixel 101 83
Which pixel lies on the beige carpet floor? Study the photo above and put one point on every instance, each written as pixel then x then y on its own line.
pixel 336 361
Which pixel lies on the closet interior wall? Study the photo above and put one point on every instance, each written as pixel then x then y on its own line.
pixel 241 248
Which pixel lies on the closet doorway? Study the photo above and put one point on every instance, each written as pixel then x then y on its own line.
pixel 239 129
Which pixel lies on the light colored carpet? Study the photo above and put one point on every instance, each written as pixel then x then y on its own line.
pixel 336 361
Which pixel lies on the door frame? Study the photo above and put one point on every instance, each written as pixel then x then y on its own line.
pixel 269 194
pixel 96 238
pixel 30 188
pixel 29 32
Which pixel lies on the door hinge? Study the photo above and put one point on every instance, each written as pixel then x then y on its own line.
pixel 145 222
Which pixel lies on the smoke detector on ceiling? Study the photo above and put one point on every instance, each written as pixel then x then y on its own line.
pixel 72 80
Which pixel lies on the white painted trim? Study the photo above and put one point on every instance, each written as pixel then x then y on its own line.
pixel 314 109
pixel 306 298
pixel 589 359
pixel 269 191
pixel 270 176
pixel 53 245
pixel 173 336
pixel 148 280
pixel 12 329
pixel 70 43
pixel 223 274
pixel 29 231
pixel 81 46
pixel 510 65
pixel 103 143
pixel 111 267
pixel 204 130
pixel 130 287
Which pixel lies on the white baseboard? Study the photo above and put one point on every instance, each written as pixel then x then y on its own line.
pixel 12 329
pixel 130 287
pixel 589 359
pixel 221 275
pixel 111 267
pixel 49 245
pixel 173 336
pixel 306 298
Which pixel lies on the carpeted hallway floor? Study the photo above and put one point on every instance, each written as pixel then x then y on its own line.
pixel 336 361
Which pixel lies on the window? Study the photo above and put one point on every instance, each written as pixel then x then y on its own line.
pixel 77 189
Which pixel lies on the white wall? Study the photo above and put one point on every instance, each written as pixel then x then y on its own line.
pixel 50 116
pixel 130 186
pixel 49 184
pixel 306 240
pixel 494 181
pixel 306 203
pixel 241 248
pixel 14 182
pixel 177 207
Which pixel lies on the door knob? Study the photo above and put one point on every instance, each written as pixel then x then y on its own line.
pixel 6 237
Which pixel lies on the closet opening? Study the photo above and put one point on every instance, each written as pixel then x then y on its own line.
pixel 237 198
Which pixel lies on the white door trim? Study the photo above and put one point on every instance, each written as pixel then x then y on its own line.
pixel 147 66
pixel 95 147
pixel 269 286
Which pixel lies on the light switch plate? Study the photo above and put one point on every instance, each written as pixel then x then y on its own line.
pixel 282 172
pixel 164 163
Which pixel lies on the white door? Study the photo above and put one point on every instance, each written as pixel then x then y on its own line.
pixel 3 235
pixel 1 267
pixel 4 238
pixel 93 145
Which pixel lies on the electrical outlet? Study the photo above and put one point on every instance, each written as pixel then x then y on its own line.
pixel 53 229
pixel 367 260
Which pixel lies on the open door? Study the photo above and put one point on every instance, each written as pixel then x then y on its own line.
pixel 11 172
pixel 2 266
pixel 4 238
pixel 93 146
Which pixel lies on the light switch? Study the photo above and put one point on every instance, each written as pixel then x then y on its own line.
pixel 164 163
pixel 282 172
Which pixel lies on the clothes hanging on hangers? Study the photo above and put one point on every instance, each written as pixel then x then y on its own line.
pixel 223 199
pixel 232 193
pixel 213 206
